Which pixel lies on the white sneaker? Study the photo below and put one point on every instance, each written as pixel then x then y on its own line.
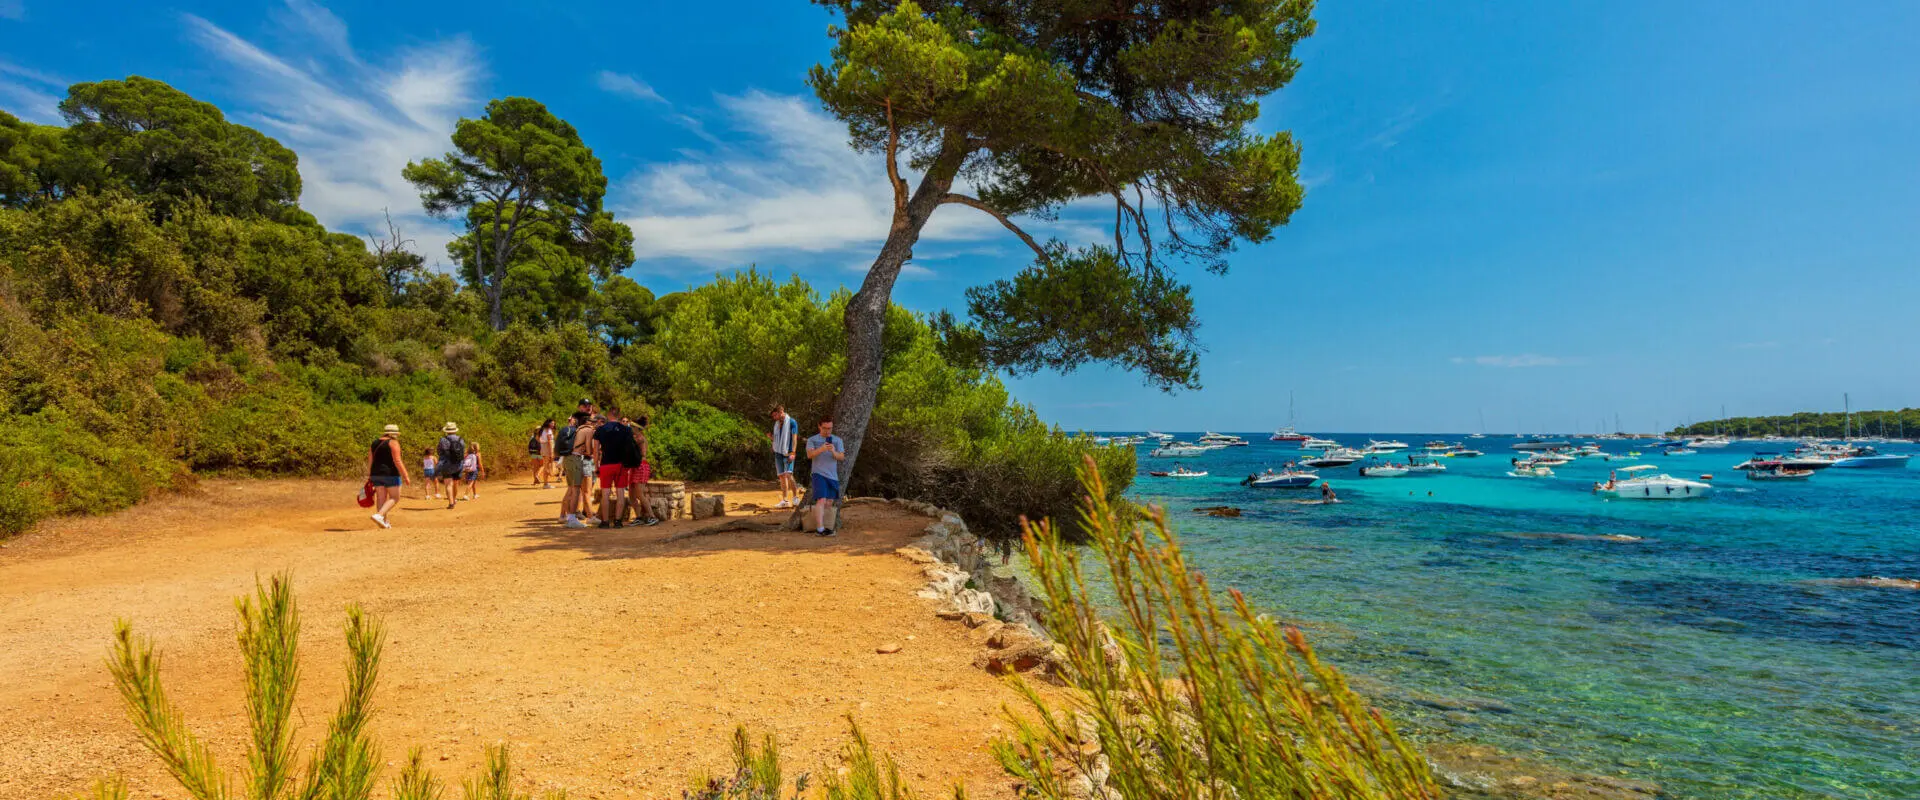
pixel 574 522
pixel 785 504
pixel 382 520
pixel 546 486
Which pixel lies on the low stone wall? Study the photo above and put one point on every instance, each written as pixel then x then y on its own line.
pixel 966 584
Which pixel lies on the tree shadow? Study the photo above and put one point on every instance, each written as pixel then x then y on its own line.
pixel 864 530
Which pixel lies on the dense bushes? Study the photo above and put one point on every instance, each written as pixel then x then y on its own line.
pixel 942 433
pixel 696 440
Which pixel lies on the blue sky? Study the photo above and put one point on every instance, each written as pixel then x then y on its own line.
pixel 1549 213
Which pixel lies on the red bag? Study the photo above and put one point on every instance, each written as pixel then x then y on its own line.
pixel 366 495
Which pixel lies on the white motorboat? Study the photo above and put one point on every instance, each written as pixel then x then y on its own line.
pixel 1466 452
pixel 1863 457
pixel 1526 469
pixel 1710 442
pixel 1178 451
pixel 1384 471
pixel 1424 465
pixel 1551 459
pixel 1680 451
pixel 1388 446
pixel 1284 479
pixel 1336 457
pixel 1317 443
pixel 1647 485
pixel 1179 472
pixel 1778 473
pixel 1164 437
pixel 1211 439
pixel 1630 455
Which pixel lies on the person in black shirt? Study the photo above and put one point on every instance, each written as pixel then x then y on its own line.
pixel 616 455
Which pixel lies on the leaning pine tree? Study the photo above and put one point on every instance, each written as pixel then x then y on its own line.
pixel 1039 103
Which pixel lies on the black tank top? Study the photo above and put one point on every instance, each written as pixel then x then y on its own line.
pixel 383 460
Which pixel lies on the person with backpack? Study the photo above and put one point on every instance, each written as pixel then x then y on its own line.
pixel 452 452
pixel 615 450
pixel 573 467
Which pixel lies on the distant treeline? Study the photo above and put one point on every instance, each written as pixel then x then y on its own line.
pixel 1899 423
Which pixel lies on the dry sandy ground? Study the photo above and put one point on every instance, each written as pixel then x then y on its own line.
pixel 613 662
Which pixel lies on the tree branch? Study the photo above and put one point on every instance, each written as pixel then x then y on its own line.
pixel 893 165
pixel 964 200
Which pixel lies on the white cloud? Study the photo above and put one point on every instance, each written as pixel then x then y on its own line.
pixel 791 184
pixel 30 94
pixel 1516 361
pixel 354 124
pixel 624 84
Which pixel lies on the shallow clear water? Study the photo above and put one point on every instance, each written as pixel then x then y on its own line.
pixel 1706 656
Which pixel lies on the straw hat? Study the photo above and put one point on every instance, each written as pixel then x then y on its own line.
pixel 390 430
pixel 449 428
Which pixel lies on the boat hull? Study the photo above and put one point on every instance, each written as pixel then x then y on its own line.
pixel 1872 462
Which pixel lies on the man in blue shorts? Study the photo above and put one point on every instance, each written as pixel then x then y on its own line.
pixel 825 452
pixel 785 435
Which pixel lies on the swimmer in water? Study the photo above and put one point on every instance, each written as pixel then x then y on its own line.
pixel 1326 493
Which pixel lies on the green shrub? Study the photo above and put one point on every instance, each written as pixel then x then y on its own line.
pixel 695 441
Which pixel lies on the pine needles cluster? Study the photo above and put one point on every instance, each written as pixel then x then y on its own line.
pixel 1177 695
pixel 344 765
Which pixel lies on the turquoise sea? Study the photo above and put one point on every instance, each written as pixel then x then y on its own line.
pixel 1711 656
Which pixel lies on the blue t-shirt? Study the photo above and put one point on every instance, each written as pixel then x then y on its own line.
pixel 824 464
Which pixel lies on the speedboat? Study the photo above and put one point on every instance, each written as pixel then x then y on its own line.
pixel 1466 452
pixel 1760 461
pixel 1680 451
pixel 1710 442
pixel 1539 445
pixel 1424 465
pixel 1336 457
pixel 1528 469
pixel 1384 471
pixel 1317 443
pixel 1284 479
pixel 1179 472
pixel 1778 473
pixel 1644 485
pixel 1589 451
pixel 1551 459
pixel 1164 437
pixel 1630 455
pixel 1862 457
pixel 1388 446
pixel 1288 434
pixel 1178 451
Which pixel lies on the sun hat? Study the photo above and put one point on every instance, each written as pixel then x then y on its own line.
pixel 390 430
pixel 449 428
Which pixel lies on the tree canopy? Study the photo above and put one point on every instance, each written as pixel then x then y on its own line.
pixel 531 194
pixel 1042 103
pixel 159 142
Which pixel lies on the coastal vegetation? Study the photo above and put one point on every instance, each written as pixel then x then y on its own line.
pixel 167 310
pixel 1822 424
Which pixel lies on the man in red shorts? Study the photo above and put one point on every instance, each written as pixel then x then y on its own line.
pixel 616 457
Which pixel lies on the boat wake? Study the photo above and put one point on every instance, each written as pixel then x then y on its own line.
pixel 1574 537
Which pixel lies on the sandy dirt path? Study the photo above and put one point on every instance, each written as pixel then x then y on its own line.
pixel 614 663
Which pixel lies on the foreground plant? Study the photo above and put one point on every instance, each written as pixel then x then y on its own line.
pixel 1176 696
pixel 343 766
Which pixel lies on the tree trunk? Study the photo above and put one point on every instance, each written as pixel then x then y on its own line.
pixel 497 290
pixel 866 318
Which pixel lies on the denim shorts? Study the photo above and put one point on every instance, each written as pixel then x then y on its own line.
pixel 782 465
pixel 385 480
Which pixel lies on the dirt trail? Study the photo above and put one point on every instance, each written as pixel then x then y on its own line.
pixel 615 663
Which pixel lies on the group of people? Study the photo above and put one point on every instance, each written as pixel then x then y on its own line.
pixel 446 465
pixel 604 459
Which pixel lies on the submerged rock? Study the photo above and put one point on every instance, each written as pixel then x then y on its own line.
pixel 1219 511
pixel 1476 771
pixel 1876 582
